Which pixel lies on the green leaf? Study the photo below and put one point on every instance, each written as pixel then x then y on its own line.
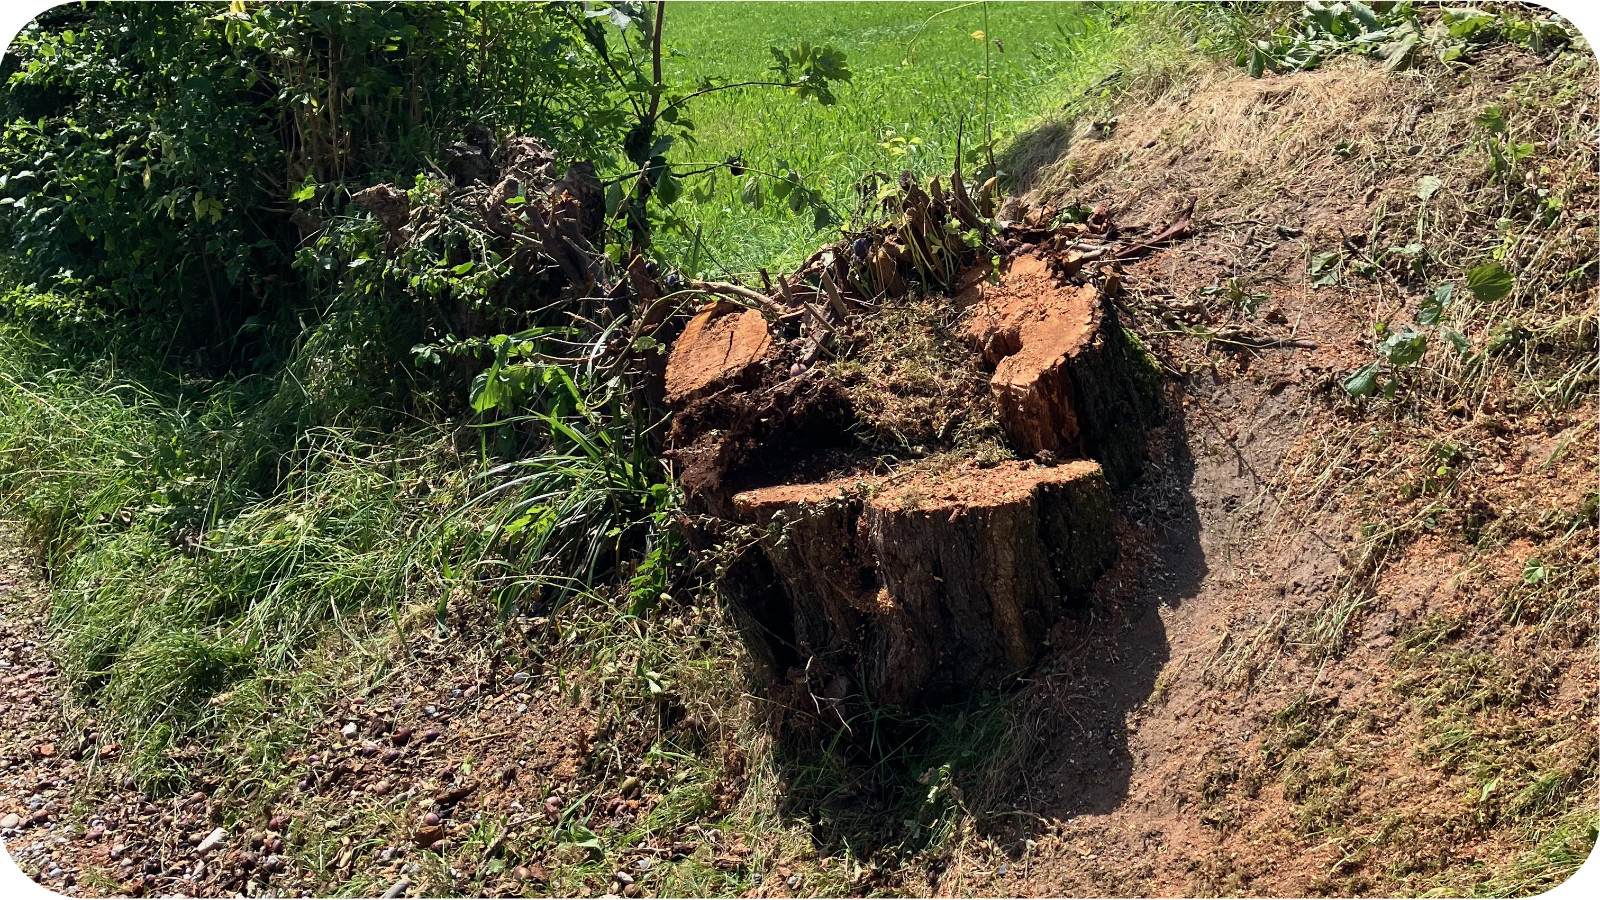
pixel 1492 119
pixel 1490 282
pixel 462 269
pixel 1397 54
pixel 1324 269
pixel 306 192
pixel 750 194
pixel 1427 186
pixel 669 189
pixel 1256 62
pixel 1434 304
pixel 1363 381
pixel 1534 572
pixel 1364 15
pixel 1457 340
pixel 1403 347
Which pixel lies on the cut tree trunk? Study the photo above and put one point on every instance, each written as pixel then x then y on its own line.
pixel 930 584
pixel 1067 380
pixel 925 589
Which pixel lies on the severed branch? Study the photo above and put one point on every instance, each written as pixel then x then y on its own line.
pixel 1181 227
pixel 741 293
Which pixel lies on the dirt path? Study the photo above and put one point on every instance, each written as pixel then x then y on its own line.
pixel 39 779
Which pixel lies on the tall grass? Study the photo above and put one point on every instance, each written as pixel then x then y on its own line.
pixel 201 544
pixel 173 580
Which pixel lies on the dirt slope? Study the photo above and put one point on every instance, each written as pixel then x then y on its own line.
pixel 1328 670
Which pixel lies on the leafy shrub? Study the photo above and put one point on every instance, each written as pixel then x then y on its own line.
pixel 163 160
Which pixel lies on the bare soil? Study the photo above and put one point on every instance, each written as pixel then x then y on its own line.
pixel 1253 715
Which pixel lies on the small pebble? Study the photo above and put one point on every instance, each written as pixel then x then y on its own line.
pixel 349 730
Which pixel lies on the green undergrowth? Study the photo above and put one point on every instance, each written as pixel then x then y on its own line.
pixel 203 548
pixel 193 556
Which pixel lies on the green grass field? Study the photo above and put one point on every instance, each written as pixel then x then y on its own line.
pixel 917 77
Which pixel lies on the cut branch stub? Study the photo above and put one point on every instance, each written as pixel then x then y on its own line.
pixel 722 343
pixel 1066 380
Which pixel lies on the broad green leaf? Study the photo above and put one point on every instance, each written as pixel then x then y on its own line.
pixel 750 193
pixel 1324 269
pixel 1403 348
pixel 669 189
pixel 1490 282
pixel 1492 119
pixel 1434 304
pixel 1397 54
pixel 1535 571
pixel 1363 381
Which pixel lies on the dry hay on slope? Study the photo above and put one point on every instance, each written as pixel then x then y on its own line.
pixel 1356 652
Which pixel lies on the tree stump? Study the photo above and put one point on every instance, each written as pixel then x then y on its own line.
pixel 937 581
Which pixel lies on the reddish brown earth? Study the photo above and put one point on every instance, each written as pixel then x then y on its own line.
pixel 1194 742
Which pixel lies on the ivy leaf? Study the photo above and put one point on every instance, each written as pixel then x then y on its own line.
pixel 1490 282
